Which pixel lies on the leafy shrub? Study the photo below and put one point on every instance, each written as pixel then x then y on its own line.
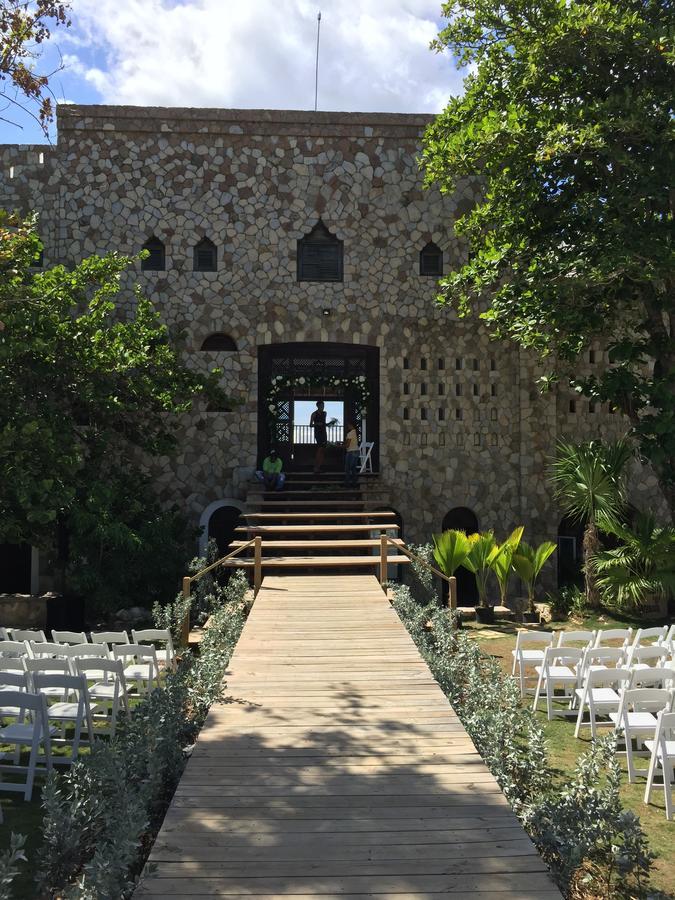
pixel 101 815
pixel 8 864
pixel 591 843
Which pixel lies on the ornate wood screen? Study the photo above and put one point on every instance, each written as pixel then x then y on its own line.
pixel 315 361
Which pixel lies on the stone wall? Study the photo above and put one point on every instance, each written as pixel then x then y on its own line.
pixel 462 422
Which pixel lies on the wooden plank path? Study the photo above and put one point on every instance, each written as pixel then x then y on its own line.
pixel 337 768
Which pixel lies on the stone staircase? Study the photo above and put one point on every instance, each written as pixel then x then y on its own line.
pixel 318 524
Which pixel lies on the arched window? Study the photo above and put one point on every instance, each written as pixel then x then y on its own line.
pixel 205 256
pixel 431 260
pixel 320 255
pixel 156 261
pixel 219 341
pixel 463 519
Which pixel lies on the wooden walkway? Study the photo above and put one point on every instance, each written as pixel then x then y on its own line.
pixel 337 768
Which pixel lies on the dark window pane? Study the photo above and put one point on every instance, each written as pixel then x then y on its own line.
pixel 320 256
pixel 219 341
pixel 205 257
pixel 431 260
pixel 156 261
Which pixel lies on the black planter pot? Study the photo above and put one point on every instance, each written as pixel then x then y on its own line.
pixel 485 615
pixel 531 618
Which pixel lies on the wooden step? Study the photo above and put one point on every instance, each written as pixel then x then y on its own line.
pixel 305 504
pixel 340 491
pixel 312 529
pixel 314 545
pixel 380 514
pixel 290 562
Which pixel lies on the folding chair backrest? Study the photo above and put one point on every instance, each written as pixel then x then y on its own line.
pixel 654 676
pixel 14 649
pixel 564 656
pixel 18 664
pixel 57 666
pixel 45 648
pixel 141 652
pixel 565 638
pixel 18 680
pixel 665 725
pixel 603 656
pixel 25 700
pixel 613 634
pixel 162 635
pixel 82 651
pixel 605 677
pixel 4 634
pixel 645 700
pixel 112 667
pixel 669 639
pixel 543 638
pixel 24 634
pixel 110 637
pixel 645 635
pixel 69 637
pixel 67 683
pixel 651 654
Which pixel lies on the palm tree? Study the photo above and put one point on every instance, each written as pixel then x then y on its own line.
pixel 589 482
pixel 502 562
pixel 528 562
pixel 642 568
pixel 451 548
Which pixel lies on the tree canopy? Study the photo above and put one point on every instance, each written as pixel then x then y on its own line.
pixel 87 390
pixel 24 27
pixel 567 120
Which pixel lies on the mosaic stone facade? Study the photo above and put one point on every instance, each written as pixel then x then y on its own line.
pixel 461 420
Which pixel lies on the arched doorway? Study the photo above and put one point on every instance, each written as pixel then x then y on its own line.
pixel 16 568
pixel 343 374
pixel 218 521
pixel 462 518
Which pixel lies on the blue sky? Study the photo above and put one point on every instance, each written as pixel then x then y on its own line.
pixel 260 54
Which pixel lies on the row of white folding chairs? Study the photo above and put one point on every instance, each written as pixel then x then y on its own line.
pixel 166 654
pixel 140 662
pixel 531 646
pixel 662 759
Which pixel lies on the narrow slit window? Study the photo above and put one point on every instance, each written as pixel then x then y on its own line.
pixel 156 261
pixel 423 414
pixel 423 365
pixel 458 390
pixel 441 414
pixel 459 415
pixel 406 414
pixel 441 390
pixel 493 390
pixel 423 389
pixel 431 260
pixel 205 256
pixel 406 362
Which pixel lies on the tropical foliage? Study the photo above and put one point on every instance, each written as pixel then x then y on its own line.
pixel 451 549
pixel 589 482
pixel 479 561
pixel 642 568
pixel 502 562
pixel 566 118
pixel 528 562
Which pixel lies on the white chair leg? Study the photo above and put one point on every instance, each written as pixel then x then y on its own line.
pixel 537 692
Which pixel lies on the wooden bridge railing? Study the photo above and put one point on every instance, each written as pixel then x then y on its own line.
pixel 449 579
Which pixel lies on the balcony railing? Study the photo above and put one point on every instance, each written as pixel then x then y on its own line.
pixel 304 434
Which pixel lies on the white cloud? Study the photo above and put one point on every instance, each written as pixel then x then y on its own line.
pixel 260 53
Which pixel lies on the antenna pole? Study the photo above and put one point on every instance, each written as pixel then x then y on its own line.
pixel 316 68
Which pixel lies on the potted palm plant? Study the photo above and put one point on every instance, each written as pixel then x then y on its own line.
pixel 502 562
pixel 639 574
pixel 479 561
pixel 528 562
pixel 451 549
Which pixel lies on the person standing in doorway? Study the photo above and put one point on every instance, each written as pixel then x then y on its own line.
pixel 318 423
pixel 352 455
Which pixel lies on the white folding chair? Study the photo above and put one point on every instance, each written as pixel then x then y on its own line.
pixel 524 657
pixel 604 635
pixel 560 668
pixel 636 718
pixel 30 730
pixel 600 695
pixel 662 749
pixel 11 682
pixel 45 649
pixel 166 656
pixel 644 657
pixel 569 638
pixel 67 711
pixel 69 637
pixel 644 635
pixel 669 639
pixel 110 638
pixel 4 634
pixel 143 668
pixel 14 649
pixel 107 694
pixel 47 666
pixel 27 634
pixel 366 456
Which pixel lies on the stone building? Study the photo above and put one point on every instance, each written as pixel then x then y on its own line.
pixel 303 246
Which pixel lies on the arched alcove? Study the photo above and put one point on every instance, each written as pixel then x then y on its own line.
pixel 156 261
pixel 16 569
pixel 320 255
pixel 205 256
pixel 462 518
pixel 431 260
pixel 218 521
pixel 219 341
pixel 570 555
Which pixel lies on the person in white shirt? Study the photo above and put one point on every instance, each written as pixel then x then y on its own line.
pixel 352 455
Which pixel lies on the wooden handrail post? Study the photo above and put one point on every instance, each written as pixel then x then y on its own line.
pixel 452 594
pixel 257 565
pixel 185 626
pixel 383 558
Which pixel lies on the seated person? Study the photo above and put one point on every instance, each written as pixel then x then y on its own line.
pixel 270 474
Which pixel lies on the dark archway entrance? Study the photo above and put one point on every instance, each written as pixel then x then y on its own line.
pixel 462 518
pixel 570 553
pixel 15 568
pixel 312 371
pixel 221 527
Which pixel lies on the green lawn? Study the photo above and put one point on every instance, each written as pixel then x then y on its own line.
pixel 499 640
